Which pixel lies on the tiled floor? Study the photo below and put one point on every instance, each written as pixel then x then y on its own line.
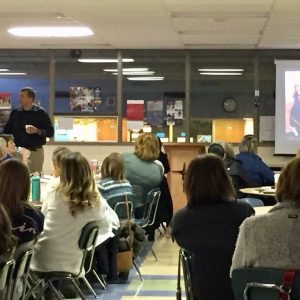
pixel 160 276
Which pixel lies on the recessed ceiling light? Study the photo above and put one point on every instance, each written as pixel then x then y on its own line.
pixel 136 73
pixel 145 78
pixel 128 70
pixel 103 60
pixel 12 74
pixel 4 70
pixel 221 70
pixel 51 31
pixel 221 73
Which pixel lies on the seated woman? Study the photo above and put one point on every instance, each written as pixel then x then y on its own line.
pixel 208 226
pixel 27 222
pixel 142 168
pixel 113 182
pixel 271 240
pixel 70 205
pixel 24 153
pixel 7 240
pixel 235 169
pixel 253 164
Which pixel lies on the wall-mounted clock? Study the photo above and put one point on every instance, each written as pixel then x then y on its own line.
pixel 230 105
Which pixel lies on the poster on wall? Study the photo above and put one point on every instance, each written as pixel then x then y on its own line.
pixel 5 100
pixel 155 113
pixel 85 99
pixel 135 110
pixel 174 111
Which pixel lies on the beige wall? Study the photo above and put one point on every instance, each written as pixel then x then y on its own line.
pixel 101 151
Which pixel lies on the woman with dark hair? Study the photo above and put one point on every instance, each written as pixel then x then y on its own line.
pixel 7 240
pixel 27 222
pixel 271 240
pixel 208 226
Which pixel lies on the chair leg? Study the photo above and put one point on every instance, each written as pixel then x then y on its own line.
pixel 100 279
pixel 165 230
pixel 138 270
pixel 153 253
pixel 79 291
pixel 34 288
pixel 89 286
pixel 55 291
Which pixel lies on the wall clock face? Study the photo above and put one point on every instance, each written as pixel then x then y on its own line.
pixel 230 105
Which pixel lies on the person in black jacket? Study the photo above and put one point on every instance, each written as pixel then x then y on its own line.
pixel 30 125
pixel 208 226
pixel 235 169
pixel 27 222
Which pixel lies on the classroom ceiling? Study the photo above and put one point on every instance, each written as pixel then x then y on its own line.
pixel 157 24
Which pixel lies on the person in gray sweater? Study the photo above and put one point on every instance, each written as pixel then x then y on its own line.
pixel 272 240
pixel 208 226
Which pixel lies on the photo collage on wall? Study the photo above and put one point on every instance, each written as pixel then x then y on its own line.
pixel 174 112
pixel 85 99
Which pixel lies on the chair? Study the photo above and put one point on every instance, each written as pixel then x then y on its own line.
pixel 263 283
pixel 86 243
pixel 187 263
pixel 6 273
pixel 150 211
pixel 254 202
pixel 22 256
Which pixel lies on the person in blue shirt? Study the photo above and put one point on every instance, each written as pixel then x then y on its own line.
pixel 252 163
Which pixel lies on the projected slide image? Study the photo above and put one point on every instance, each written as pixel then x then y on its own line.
pixel 292 104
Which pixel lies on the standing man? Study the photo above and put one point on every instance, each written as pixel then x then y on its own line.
pixel 30 125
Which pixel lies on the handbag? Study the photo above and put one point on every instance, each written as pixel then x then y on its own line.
pixel 125 258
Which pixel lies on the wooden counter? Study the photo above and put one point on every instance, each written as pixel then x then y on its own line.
pixel 180 155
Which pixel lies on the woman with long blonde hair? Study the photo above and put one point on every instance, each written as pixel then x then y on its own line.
pixel 70 205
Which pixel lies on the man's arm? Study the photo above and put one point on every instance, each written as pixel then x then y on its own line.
pixel 47 130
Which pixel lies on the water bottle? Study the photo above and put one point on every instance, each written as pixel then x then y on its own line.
pixel 35 188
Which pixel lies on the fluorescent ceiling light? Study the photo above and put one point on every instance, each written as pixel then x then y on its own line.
pixel 221 70
pixel 136 73
pixel 145 78
pixel 12 74
pixel 51 31
pixel 4 70
pixel 220 73
pixel 128 70
pixel 103 60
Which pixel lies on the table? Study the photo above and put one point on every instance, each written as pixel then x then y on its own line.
pixel 261 191
pixel 262 210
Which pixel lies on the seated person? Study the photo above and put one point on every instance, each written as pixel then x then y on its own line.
pixel 7 240
pixel 235 169
pixel 142 168
pixel 113 182
pixel 70 205
pixel 253 164
pixel 27 222
pixel 24 153
pixel 3 150
pixel 271 240
pixel 208 226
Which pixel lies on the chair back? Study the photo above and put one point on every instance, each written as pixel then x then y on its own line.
pixel 6 273
pixel 121 210
pixel 87 243
pixel 151 205
pixel 138 193
pixel 22 256
pixel 187 263
pixel 254 202
pixel 262 283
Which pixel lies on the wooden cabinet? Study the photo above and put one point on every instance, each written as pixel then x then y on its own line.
pixel 180 155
